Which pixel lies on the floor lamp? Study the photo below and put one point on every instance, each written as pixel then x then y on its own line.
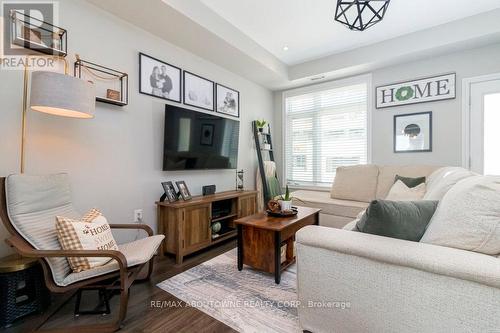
pixel 56 94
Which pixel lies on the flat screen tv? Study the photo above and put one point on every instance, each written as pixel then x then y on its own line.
pixel 199 141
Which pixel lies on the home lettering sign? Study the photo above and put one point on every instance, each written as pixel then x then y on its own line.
pixel 430 89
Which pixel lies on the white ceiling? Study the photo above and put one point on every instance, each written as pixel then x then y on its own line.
pixel 247 37
pixel 309 31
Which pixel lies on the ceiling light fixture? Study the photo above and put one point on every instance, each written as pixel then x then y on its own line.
pixel 285 48
pixel 360 14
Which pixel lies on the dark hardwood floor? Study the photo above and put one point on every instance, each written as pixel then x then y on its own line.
pixel 141 315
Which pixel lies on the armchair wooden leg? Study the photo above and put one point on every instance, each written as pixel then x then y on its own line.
pixel 123 307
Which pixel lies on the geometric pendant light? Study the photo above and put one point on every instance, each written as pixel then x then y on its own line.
pixel 360 14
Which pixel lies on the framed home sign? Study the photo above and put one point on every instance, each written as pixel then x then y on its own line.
pixel 424 90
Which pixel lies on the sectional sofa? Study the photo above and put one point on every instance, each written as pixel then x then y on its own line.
pixel 369 283
pixel 354 188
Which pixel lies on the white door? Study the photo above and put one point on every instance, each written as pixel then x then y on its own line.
pixel 484 127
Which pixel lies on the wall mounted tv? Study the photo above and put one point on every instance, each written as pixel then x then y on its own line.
pixel 199 141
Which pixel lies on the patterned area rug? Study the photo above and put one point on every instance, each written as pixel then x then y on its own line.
pixel 247 301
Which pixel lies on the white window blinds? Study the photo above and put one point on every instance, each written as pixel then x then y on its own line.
pixel 324 130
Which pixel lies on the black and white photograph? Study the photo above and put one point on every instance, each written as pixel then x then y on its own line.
pixel 413 132
pixel 198 91
pixel 170 191
pixel 183 189
pixel 207 135
pixel 159 79
pixel 228 101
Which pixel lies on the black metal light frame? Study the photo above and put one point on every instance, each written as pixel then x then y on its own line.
pixel 343 6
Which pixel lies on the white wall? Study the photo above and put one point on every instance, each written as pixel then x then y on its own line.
pixel 115 159
pixel 447 121
pixel 447 115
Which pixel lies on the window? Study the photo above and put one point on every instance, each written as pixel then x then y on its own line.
pixel 324 129
pixel 299 161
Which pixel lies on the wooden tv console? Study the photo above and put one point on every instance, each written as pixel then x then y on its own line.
pixel 187 225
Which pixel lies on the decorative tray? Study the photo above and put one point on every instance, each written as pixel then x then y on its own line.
pixel 292 212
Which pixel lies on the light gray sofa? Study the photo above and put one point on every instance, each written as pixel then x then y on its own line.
pixel 354 188
pixel 354 282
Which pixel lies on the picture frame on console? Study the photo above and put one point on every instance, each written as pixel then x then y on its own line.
pixel 413 132
pixel 170 191
pixel 183 190
pixel 159 79
pixel 228 100
pixel 198 91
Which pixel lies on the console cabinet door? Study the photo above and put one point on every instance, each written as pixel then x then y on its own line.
pixel 196 227
pixel 247 205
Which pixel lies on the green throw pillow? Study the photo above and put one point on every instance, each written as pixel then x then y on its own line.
pixel 410 182
pixel 397 219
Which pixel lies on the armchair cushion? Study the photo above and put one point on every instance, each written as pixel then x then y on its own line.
pixel 136 253
pixel 32 205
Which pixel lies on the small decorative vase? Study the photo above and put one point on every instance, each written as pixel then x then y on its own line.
pixel 285 205
pixel 216 227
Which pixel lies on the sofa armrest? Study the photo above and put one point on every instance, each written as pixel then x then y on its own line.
pixel 435 259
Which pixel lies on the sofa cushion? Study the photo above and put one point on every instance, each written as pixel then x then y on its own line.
pixel 322 200
pixel 441 180
pixel 410 181
pixel 357 183
pixel 397 219
pixel 388 173
pixel 351 226
pixel 468 216
pixel 400 192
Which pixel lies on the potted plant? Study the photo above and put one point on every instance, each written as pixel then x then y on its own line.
pixel 286 201
pixel 260 125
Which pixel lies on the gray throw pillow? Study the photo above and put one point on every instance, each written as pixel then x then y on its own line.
pixel 410 182
pixel 406 220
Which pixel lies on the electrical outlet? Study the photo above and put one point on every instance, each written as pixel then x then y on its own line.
pixel 138 215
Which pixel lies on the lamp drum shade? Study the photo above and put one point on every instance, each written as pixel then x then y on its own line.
pixel 62 95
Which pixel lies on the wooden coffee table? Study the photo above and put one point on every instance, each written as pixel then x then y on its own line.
pixel 260 238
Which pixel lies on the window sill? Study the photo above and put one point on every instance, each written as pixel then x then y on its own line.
pixel 310 188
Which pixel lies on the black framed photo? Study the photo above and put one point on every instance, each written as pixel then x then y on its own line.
pixel 198 91
pixel 159 79
pixel 413 132
pixel 170 191
pixel 228 100
pixel 183 189
pixel 207 135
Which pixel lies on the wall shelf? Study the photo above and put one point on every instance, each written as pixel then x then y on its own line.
pixel 37 35
pixel 106 80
